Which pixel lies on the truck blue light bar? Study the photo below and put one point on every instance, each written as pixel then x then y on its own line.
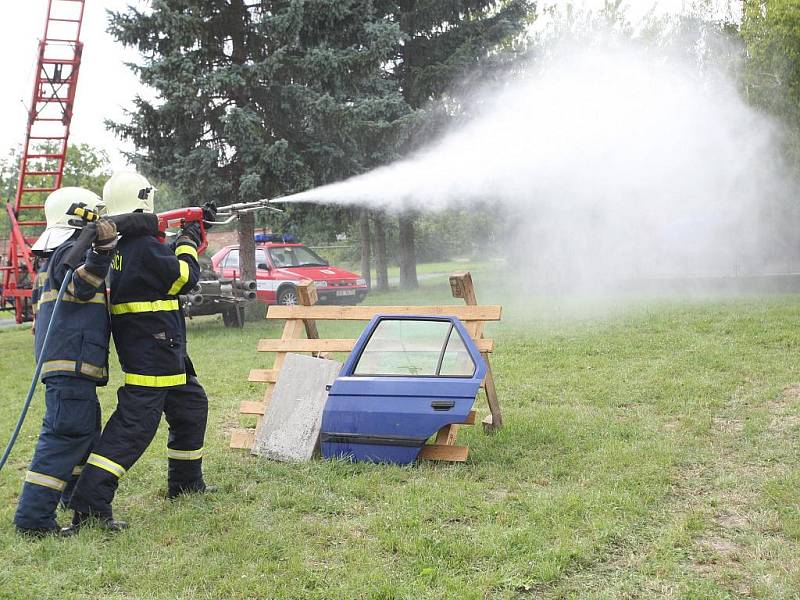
pixel 275 238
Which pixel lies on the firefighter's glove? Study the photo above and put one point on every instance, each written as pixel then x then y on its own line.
pixel 190 233
pixel 137 224
pixel 106 240
pixel 77 254
pixel 209 213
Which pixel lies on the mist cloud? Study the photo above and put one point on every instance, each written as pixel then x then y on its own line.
pixel 615 162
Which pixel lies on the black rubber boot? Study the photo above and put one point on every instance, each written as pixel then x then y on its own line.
pixel 175 490
pixel 104 522
pixel 37 533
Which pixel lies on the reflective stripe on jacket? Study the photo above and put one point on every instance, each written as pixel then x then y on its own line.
pixel 146 316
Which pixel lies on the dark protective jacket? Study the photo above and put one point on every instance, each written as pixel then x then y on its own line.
pixel 146 316
pixel 78 347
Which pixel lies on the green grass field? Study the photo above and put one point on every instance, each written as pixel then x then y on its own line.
pixel 650 451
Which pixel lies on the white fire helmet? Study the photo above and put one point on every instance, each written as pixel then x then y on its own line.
pixel 127 192
pixel 60 225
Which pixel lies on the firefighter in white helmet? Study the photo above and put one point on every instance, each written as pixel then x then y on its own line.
pixel 128 192
pixel 61 225
pixel 76 357
pixel 149 331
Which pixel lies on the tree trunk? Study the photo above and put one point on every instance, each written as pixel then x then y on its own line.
pixel 408 257
pixel 381 268
pixel 247 246
pixel 363 224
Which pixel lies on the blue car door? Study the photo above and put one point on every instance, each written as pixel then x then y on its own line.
pixel 406 378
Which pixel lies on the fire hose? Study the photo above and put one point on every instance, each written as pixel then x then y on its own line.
pixel 35 380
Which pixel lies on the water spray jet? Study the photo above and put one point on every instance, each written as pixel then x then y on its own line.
pixel 614 163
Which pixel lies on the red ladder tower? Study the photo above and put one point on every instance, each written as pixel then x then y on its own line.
pixel 44 153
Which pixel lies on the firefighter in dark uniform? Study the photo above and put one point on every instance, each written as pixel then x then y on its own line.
pixel 149 331
pixel 76 357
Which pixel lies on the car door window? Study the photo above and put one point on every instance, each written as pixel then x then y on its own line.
pixel 416 348
pixel 456 361
pixel 281 258
pixel 296 256
pixel 232 260
pixel 261 259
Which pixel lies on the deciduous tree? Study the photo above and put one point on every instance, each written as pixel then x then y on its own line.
pixel 771 30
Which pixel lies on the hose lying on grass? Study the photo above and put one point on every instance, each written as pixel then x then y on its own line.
pixel 75 256
pixel 37 371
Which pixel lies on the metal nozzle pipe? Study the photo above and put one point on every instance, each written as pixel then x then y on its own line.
pixel 246 285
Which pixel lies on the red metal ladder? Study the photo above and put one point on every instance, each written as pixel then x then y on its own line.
pixel 45 149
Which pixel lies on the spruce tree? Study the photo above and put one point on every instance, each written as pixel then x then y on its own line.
pixel 260 98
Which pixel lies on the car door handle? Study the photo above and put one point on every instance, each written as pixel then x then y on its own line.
pixel 443 404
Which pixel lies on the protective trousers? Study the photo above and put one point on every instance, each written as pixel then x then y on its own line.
pixel 70 427
pixel 131 429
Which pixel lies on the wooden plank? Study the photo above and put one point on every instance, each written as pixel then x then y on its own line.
pixel 462 286
pixel 331 345
pixel 250 407
pixel 496 420
pixel 491 312
pixel 304 345
pixel 243 438
pixel 471 417
pixel 447 453
pixel 307 296
pixel 263 376
pixel 447 435
pixel 457 284
pixel 267 396
pixel 307 293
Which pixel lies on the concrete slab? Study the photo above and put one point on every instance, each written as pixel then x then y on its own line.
pixel 290 428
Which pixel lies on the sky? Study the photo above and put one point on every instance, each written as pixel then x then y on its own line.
pixel 106 86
